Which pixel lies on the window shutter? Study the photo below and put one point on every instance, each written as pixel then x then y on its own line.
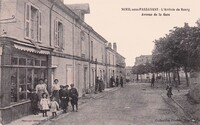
pixel 56 33
pixel 63 37
pixel 27 20
pixel 39 26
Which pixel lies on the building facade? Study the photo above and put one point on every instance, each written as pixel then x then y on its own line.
pixel 46 39
pixel 120 63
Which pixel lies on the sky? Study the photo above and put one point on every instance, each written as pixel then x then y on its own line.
pixel 134 33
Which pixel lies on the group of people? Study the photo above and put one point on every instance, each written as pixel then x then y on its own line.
pixel 41 100
pixel 116 82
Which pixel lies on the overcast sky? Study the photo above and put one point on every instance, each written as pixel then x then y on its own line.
pixel 132 32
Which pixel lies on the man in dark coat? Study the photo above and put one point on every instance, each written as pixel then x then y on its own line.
pixel 34 101
pixel 152 81
pixel 64 97
pixel 73 93
pixel 121 81
pixel 169 91
pixel 117 81
pixel 97 84
pixel 60 91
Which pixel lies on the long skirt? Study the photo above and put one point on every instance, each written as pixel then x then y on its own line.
pixel 55 94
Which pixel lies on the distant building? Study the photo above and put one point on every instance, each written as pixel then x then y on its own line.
pixel 143 59
pixel 129 75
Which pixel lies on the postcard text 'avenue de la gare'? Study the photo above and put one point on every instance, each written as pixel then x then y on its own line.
pixel 156 11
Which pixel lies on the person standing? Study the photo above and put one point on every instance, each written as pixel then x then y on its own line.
pixel 40 89
pixel 112 81
pixel 55 90
pixel 100 85
pixel 73 93
pixel 117 81
pixel 44 102
pixel 169 91
pixel 97 85
pixel 64 97
pixel 152 80
pixel 60 91
pixel 121 81
pixel 34 102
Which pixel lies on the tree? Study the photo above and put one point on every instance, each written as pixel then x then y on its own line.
pixel 179 49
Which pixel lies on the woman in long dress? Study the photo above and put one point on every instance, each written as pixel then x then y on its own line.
pixel 41 88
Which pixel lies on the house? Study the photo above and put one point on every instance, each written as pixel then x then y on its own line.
pixel 47 39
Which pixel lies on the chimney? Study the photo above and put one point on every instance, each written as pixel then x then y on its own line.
pixel 110 45
pixel 115 47
pixel 80 9
pixel 62 1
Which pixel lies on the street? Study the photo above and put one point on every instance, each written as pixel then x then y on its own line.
pixel 135 104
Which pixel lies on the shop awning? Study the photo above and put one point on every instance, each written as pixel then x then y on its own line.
pixel 30 49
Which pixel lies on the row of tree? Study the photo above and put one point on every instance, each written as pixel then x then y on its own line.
pixel 180 49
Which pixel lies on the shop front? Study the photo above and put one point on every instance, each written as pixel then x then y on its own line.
pixel 20 72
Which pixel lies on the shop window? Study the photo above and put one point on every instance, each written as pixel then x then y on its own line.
pixel 43 63
pixel 22 84
pixel 29 81
pixel 30 62
pixel 14 61
pixel 22 80
pixel 13 85
pixel 37 62
pixel 39 74
pixel 22 61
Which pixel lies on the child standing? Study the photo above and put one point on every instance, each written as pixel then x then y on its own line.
pixel 54 107
pixel 169 91
pixel 73 93
pixel 34 102
pixel 44 102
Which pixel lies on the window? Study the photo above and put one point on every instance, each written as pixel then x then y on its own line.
pixel 83 44
pixel 92 50
pixel 43 63
pixel 22 84
pixel 102 53
pixel 37 62
pixel 30 62
pixel 14 61
pixel 33 24
pixel 58 34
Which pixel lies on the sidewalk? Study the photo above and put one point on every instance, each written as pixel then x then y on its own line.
pixel 188 107
pixel 37 119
